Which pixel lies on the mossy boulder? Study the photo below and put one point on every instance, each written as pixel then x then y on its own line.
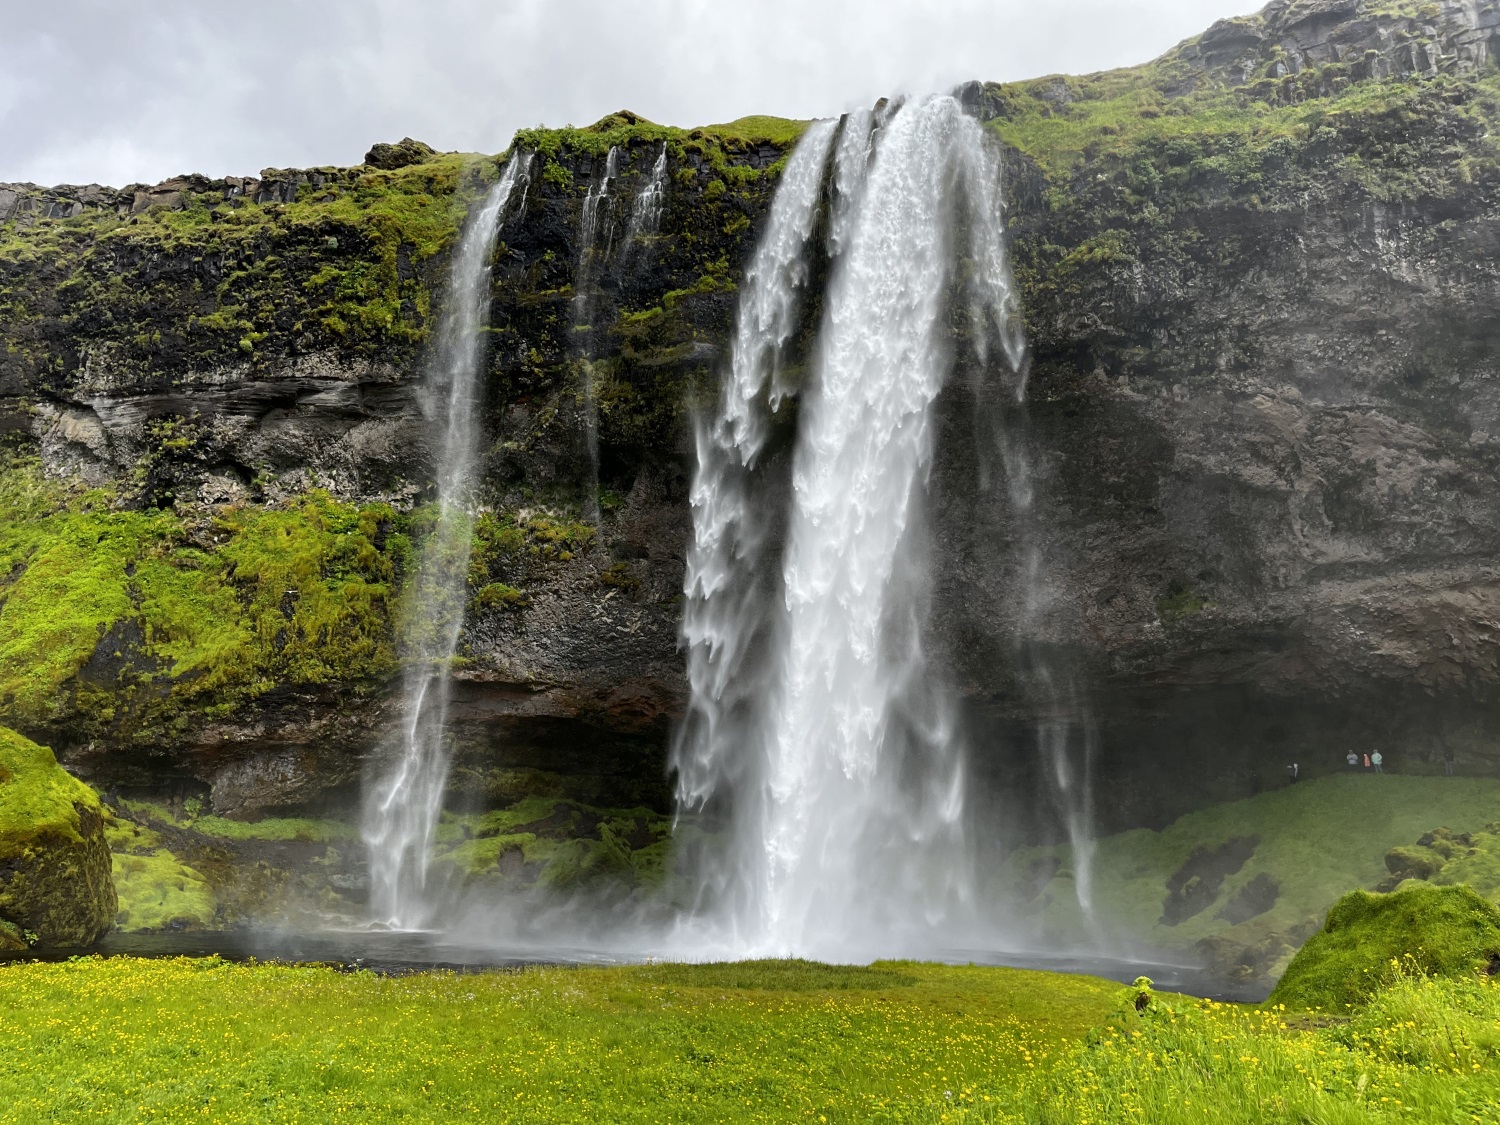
pixel 55 882
pixel 402 154
pixel 1442 931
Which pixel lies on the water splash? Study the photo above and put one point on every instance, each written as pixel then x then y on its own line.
pixel 843 760
pixel 402 809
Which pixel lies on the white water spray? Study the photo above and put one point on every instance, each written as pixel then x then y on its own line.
pixel 403 808
pixel 844 767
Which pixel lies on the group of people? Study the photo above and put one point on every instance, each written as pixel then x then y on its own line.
pixel 1371 760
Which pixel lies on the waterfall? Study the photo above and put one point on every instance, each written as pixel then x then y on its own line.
pixel 646 216
pixel 728 615
pixel 851 164
pixel 842 758
pixel 594 201
pixel 402 809
pixel 590 265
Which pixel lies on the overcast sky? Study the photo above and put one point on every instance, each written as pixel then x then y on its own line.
pixel 95 91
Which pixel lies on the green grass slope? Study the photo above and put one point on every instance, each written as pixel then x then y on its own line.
pixel 1294 852
pixel 1439 931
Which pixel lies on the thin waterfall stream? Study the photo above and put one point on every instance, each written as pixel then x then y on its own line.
pixel 591 260
pixel 402 808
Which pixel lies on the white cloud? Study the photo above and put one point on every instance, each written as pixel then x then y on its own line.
pixel 91 93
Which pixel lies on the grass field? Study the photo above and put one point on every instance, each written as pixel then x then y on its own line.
pixel 133 1040
pixel 206 1040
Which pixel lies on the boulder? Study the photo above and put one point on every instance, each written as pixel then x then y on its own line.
pixel 404 152
pixel 55 883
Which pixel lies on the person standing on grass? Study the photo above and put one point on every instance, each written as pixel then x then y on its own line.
pixel 1353 759
pixel 1367 761
pixel 1447 762
pixel 1375 760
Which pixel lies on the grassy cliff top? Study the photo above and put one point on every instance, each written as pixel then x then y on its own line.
pixel 37 796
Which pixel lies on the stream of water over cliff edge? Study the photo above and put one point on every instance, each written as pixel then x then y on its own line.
pixel 402 808
pixel 816 716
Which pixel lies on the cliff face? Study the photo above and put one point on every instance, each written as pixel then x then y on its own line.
pixel 1259 278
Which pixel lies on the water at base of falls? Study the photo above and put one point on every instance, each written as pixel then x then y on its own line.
pixel 842 769
pixel 402 808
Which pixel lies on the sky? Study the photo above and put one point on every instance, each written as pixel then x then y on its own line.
pixel 100 92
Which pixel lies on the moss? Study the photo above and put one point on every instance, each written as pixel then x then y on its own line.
pixel 1439 931
pixel 54 862
pixel 1447 858
pixel 344 265
pixel 130 622
pixel 37 796
pixel 1180 603
pixel 497 595
pixel 544 841
pixel 158 892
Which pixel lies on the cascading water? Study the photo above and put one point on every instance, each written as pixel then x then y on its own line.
pixel 596 204
pixel 851 164
pixel 728 617
pixel 1065 733
pixel 842 761
pixel 402 809
pixel 646 216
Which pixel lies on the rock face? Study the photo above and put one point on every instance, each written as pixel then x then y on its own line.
pixel 1290 38
pixel 55 883
pixel 1258 277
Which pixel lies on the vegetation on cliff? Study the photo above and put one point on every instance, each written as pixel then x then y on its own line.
pixel 55 884
pixel 209 278
pixel 128 624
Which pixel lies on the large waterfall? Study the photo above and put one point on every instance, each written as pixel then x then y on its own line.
pixel 402 809
pixel 816 716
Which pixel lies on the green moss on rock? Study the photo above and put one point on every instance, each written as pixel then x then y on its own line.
pixel 133 625
pixel 55 882
pixel 1440 931
pixel 159 892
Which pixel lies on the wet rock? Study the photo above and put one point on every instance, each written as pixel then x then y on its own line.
pixel 1194 886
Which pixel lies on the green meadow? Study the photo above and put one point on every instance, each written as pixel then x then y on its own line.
pixel 206 1040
